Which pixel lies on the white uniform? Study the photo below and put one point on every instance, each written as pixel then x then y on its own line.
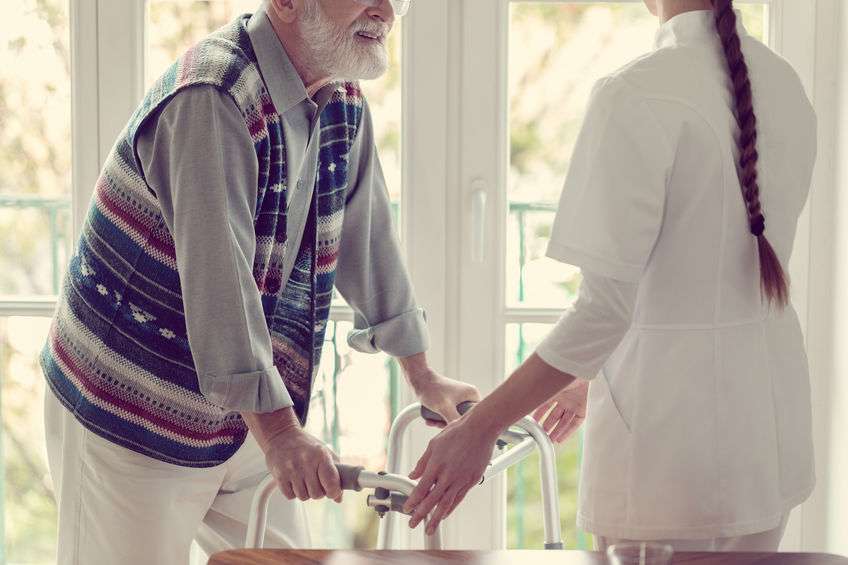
pixel 700 423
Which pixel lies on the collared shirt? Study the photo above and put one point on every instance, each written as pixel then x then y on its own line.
pixel 199 159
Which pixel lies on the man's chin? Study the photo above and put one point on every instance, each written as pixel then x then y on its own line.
pixel 373 74
pixel 371 70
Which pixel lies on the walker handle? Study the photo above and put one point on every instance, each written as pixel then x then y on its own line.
pixel 349 475
pixel 436 418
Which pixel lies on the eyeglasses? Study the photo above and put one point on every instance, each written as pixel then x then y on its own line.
pixel 401 6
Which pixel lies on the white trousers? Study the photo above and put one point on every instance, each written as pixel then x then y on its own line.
pixel 119 506
pixel 768 541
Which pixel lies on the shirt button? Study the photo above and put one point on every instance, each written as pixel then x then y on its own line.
pixel 299 184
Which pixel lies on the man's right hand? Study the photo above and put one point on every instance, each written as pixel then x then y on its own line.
pixel 303 466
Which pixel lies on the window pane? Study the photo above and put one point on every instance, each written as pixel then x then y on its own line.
pixel 35 148
pixel 26 492
pixel 558 51
pixel 175 25
pixel 353 405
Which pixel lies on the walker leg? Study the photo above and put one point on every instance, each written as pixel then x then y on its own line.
pixel 550 492
pixel 393 460
pixel 434 542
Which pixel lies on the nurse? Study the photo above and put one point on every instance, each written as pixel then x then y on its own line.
pixel 680 207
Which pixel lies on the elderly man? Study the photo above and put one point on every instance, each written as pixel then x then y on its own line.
pixel 243 190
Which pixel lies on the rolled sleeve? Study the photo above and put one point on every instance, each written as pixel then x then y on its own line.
pixel 199 160
pixel 400 336
pixel 257 391
pixel 371 274
pixel 588 333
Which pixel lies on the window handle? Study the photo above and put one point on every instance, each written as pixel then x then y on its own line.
pixel 478 220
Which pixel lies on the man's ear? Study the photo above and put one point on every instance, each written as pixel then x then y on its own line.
pixel 284 10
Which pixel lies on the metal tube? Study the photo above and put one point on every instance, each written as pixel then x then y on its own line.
pixel 397 483
pixel 405 486
pixel 395 441
pixel 393 459
pixel 512 456
pixel 512 437
pixel 547 469
pixel 258 519
pixel 433 542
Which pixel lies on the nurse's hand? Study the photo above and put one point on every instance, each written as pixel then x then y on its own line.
pixel 565 411
pixel 454 462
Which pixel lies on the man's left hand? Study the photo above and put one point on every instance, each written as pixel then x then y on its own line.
pixel 436 392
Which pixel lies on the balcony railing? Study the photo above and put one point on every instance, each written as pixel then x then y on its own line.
pixel 53 207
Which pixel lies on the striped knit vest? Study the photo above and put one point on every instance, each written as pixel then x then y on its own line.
pixel 118 354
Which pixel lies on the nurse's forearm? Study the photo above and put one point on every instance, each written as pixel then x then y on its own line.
pixel 530 385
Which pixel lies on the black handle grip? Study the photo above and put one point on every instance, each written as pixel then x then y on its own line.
pixel 349 475
pixel 436 418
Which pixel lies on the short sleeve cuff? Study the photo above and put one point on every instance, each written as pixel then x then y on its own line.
pixel 260 391
pixel 401 336
pixel 549 355
pixel 594 263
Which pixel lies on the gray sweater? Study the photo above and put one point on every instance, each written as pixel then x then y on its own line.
pixel 199 159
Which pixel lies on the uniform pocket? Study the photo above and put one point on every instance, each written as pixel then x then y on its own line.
pixel 614 399
pixel 605 473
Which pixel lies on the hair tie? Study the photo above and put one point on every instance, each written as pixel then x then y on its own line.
pixel 758 225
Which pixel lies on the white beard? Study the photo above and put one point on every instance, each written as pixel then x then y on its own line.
pixel 342 53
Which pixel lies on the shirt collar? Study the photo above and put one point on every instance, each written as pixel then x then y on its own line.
pixel 692 27
pixel 284 84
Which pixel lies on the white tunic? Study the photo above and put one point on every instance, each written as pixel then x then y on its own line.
pixel 700 423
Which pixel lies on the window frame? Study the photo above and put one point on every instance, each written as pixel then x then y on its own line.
pixel 442 69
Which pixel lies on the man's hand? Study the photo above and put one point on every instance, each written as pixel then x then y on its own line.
pixel 566 411
pixel 436 392
pixel 303 466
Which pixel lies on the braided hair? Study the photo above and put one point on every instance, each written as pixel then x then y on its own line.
pixel 773 281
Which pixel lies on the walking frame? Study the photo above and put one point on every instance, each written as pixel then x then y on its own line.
pixel 390 489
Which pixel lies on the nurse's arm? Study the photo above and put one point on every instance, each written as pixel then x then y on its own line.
pixel 534 382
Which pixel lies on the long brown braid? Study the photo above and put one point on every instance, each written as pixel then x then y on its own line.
pixel 772 278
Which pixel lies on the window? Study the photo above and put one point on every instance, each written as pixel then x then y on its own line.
pixel 451 124
pixel 35 239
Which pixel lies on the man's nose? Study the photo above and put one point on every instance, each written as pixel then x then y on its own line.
pixel 383 12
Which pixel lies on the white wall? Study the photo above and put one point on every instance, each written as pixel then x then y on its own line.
pixel 838 454
pixel 825 516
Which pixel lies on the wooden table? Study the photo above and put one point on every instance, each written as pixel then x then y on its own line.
pixel 523 557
